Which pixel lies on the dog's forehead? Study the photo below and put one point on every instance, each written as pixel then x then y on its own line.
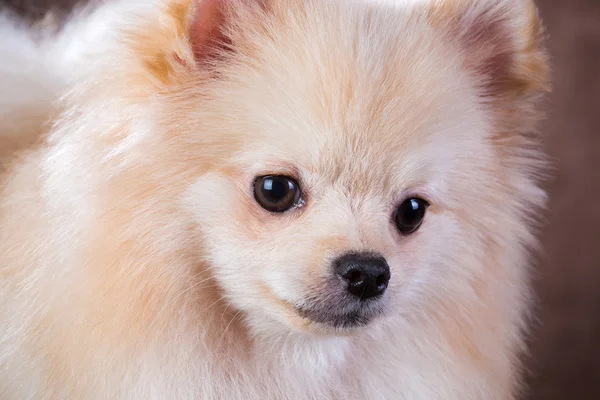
pixel 379 138
pixel 366 160
pixel 368 101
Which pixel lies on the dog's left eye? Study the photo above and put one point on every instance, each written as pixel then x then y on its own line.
pixel 410 214
pixel 276 193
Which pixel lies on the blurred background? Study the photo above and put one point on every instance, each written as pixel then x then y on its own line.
pixel 565 344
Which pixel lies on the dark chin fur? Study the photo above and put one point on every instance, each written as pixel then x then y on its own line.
pixel 349 320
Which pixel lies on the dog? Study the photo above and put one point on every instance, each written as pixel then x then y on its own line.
pixel 270 199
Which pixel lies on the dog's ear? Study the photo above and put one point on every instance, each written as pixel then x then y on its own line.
pixel 207 27
pixel 210 28
pixel 502 42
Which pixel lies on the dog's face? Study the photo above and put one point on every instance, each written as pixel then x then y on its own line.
pixel 333 226
pixel 360 169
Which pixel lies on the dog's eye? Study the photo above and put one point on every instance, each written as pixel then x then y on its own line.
pixel 276 193
pixel 410 214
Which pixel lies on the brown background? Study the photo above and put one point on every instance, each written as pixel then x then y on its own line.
pixel 565 362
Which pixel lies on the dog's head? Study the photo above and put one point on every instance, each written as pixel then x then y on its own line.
pixel 364 160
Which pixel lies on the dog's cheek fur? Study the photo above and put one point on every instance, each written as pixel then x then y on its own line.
pixel 266 263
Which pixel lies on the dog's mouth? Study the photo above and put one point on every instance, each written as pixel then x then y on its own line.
pixel 353 318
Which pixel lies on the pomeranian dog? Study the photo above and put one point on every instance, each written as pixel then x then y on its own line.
pixel 269 199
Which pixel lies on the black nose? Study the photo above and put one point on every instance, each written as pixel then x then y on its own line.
pixel 366 274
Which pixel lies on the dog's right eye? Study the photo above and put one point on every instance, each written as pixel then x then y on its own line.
pixel 277 193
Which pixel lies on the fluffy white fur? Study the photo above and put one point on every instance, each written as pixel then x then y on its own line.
pixel 135 264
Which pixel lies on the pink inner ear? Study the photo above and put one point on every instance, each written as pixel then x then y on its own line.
pixel 491 49
pixel 205 28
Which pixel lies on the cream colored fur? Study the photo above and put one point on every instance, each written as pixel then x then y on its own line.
pixel 135 263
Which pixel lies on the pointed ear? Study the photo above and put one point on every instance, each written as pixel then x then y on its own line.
pixel 206 27
pixel 212 21
pixel 502 42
